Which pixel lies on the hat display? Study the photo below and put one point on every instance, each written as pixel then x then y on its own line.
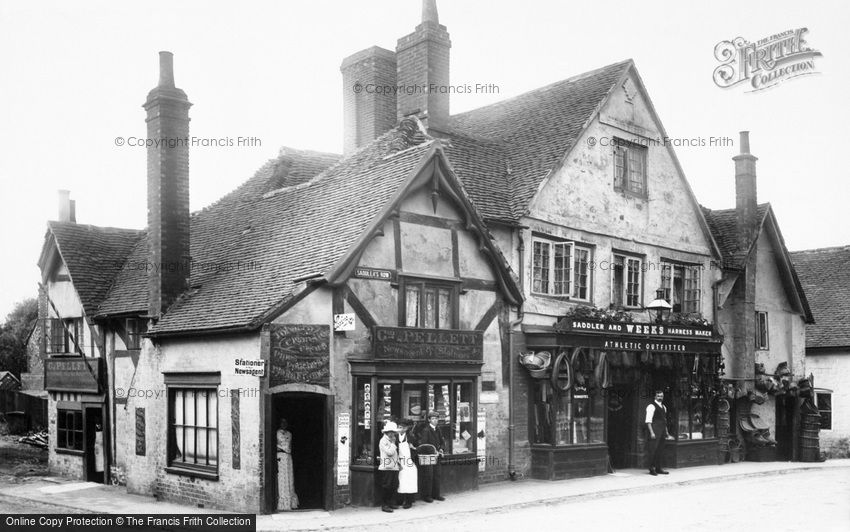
pixel 390 426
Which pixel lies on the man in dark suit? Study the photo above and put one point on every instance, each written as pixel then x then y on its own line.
pixel 431 442
pixel 657 435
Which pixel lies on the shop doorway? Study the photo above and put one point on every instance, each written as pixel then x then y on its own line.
pixel 95 444
pixel 784 428
pixel 622 438
pixel 307 415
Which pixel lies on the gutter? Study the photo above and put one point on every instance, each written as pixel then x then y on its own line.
pixel 512 325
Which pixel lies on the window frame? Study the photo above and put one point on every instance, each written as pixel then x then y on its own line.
pixel 824 425
pixel 668 284
pixel 175 382
pixel 134 332
pixel 453 287
pixel 623 150
pixel 626 280
pixel 762 339
pixel 550 268
pixel 61 419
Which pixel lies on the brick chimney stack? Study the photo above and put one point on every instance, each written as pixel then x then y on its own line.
pixel 369 99
pixel 67 207
pixel 746 198
pixel 423 70
pixel 168 189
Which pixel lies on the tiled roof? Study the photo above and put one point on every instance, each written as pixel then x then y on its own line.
pixel 724 228
pixel 93 256
pixel 825 276
pixel 249 248
pixel 536 129
pixel 129 292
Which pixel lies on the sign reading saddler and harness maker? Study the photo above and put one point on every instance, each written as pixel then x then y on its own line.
pixel 405 343
pixel 621 336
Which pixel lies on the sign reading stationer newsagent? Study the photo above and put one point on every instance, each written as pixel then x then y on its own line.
pixel 406 343
pixel 300 354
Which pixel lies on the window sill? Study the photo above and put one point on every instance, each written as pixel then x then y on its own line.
pixel 72 452
pixel 631 194
pixel 207 475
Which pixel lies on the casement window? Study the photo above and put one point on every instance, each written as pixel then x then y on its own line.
pixel 430 304
pixel 682 284
pixel 63 336
pixel 629 168
pixel 193 423
pixel 762 336
pixel 69 430
pixel 135 328
pixel 824 404
pixel 560 269
pixel 626 281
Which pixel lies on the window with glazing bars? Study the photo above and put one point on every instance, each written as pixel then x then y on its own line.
pixel 429 305
pixel 193 428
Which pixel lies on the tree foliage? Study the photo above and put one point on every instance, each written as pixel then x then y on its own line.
pixel 13 336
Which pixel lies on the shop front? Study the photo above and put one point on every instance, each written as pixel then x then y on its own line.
pixel 78 417
pixel 591 382
pixel 415 372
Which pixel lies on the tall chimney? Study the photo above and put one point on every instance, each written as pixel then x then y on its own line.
pixel 66 207
pixel 746 205
pixel 423 69
pixel 168 189
pixel 369 98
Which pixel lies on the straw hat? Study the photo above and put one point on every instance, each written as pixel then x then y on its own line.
pixel 390 427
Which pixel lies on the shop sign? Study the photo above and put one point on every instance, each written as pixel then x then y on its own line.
pixel 373 273
pixel 482 439
pixel 635 329
pixel 405 343
pixel 250 367
pixel 300 354
pixel 73 374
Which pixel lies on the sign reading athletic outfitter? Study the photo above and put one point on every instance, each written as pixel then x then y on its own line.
pixel 404 343
pixel 766 62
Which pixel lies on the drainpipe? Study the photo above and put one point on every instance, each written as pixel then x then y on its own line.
pixel 514 323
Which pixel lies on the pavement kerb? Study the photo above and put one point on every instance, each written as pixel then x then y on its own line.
pixel 384 519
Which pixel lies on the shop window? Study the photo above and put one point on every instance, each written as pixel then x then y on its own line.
pixel 694 408
pixel 414 399
pixel 824 404
pixel 135 328
pixel 629 168
pixel 69 430
pixel 430 305
pixel 626 281
pixel 193 428
pixel 762 336
pixel 560 269
pixel 574 417
pixel 682 286
pixel 64 336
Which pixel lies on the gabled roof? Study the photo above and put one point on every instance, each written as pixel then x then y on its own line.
pixel 250 253
pixel 723 224
pixel 93 255
pixel 535 130
pixel 724 228
pixel 825 276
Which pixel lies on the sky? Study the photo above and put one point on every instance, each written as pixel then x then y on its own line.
pixel 75 76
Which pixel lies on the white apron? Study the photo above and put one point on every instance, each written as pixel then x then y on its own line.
pixel 407 474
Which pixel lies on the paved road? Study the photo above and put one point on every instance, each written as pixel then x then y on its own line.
pixel 13 505
pixel 817 501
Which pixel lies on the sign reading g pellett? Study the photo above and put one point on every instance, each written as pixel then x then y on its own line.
pixel 404 343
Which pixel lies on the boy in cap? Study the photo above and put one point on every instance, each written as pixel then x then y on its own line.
pixel 430 474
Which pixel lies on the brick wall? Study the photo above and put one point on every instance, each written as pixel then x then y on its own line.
pixel 369 103
pixel 423 61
